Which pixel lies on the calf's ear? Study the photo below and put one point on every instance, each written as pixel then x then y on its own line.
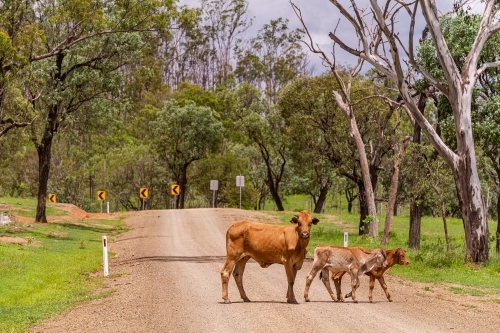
pixel 315 221
pixel 295 218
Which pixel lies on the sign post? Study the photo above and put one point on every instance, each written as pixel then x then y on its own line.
pixel 175 190
pixel 143 194
pixel 240 182
pixel 101 196
pixel 346 239
pixel 105 255
pixel 214 186
pixel 52 198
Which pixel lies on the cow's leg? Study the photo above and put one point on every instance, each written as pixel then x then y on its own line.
pixel 309 280
pixel 337 281
pixel 225 274
pixel 384 286
pixel 291 273
pixel 325 277
pixel 354 285
pixel 239 268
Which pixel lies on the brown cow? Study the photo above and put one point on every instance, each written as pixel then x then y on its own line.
pixel 354 260
pixel 395 256
pixel 266 244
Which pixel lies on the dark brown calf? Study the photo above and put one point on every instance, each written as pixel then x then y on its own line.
pixel 395 256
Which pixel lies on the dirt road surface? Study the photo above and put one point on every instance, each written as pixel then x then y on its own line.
pixel 166 274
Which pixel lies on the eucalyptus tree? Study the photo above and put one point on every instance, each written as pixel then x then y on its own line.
pixel 309 107
pixel 432 187
pixel 255 122
pixel 201 49
pixel 380 43
pixel 272 59
pixel 15 33
pixel 182 135
pixel 18 170
pixel 225 22
pixel 460 32
pixel 313 172
pixel 75 61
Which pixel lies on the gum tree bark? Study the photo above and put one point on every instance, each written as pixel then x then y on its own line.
pixel 393 192
pixel 382 46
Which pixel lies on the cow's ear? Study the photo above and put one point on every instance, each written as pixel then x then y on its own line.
pixel 315 221
pixel 295 218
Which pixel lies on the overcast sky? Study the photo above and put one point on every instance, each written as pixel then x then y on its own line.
pixel 321 18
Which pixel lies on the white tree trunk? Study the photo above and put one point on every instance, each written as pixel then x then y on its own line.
pixel 363 161
pixel 393 192
pixel 377 41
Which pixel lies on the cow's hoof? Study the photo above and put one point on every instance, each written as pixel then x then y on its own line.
pixel 246 299
pixel 390 299
pixel 355 301
pixel 227 301
pixel 292 301
pixel 306 299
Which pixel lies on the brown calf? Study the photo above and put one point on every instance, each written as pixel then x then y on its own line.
pixel 395 256
pixel 266 244
pixel 354 260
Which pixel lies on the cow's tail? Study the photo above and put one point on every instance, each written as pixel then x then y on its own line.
pixel 227 238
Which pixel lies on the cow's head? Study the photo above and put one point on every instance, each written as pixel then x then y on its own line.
pixel 401 255
pixel 382 258
pixel 304 221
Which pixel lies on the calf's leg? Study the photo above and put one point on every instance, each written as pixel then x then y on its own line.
pixel 239 268
pixel 354 285
pixel 325 277
pixel 337 281
pixel 384 286
pixel 314 270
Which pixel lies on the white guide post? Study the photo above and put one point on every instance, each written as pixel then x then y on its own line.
pixel 214 186
pixel 105 255
pixel 240 182
pixel 346 239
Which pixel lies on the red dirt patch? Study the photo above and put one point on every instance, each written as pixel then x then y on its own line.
pixel 15 240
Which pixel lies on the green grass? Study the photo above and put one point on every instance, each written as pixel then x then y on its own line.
pixel 26 207
pixel 53 272
pixel 431 264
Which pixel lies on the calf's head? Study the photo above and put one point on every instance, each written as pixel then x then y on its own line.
pixel 304 221
pixel 401 257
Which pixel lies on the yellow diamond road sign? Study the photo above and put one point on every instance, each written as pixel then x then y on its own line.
pixel 143 193
pixel 52 197
pixel 101 195
pixel 175 190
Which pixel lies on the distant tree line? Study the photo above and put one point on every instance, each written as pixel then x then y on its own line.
pixel 118 96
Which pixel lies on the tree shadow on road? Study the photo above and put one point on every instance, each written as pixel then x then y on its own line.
pixel 195 259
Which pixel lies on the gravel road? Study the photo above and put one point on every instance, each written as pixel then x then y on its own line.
pixel 166 275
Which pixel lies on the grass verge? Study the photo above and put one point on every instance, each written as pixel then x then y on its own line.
pixel 54 269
